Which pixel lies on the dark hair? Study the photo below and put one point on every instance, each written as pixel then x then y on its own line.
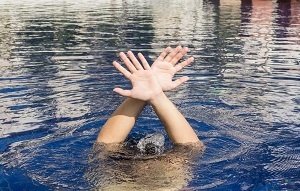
pixel 151 149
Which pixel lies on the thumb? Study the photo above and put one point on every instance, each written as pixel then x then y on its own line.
pixel 126 93
pixel 180 81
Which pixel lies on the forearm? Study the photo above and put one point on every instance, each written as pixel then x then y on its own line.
pixel 118 126
pixel 177 127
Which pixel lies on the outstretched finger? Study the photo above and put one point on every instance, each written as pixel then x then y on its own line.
pixel 127 62
pixel 144 61
pixel 180 81
pixel 170 56
pixel 126 93
pixel 134 60
pixel 181 65
pixel 179 55
pixel 164 53
pixel 121 69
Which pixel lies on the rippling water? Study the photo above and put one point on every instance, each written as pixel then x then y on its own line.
pixel 243 98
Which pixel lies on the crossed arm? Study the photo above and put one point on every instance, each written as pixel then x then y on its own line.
pixel 148 86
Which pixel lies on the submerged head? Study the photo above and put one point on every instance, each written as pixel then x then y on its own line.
pixel 152 169
pixel 152 144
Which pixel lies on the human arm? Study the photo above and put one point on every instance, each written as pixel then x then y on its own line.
pixel 177 127
pixel 145 87
pixel 118 126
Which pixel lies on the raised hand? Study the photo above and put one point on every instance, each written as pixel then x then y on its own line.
pixel 165 67
pixel 145 85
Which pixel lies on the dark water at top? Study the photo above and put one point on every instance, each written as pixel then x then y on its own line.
pixel 243 97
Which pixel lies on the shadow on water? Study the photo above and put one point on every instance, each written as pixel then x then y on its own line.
pixel 242 98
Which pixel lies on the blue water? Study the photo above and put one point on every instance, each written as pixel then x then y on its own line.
pixel 243 96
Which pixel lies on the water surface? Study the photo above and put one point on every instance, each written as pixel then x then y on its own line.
pixel 242 98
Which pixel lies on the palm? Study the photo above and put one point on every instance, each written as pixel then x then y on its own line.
pixel 144 82
pixel 144 85
pixel 149 82
pixel 164 72
pixel 165 67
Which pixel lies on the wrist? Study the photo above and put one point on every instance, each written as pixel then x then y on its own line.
pixel 157 98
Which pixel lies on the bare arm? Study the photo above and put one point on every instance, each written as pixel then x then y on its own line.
pixel 118 126
pixel 177 127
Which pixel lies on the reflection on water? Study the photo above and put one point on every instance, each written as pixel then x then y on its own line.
pixel 243 96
